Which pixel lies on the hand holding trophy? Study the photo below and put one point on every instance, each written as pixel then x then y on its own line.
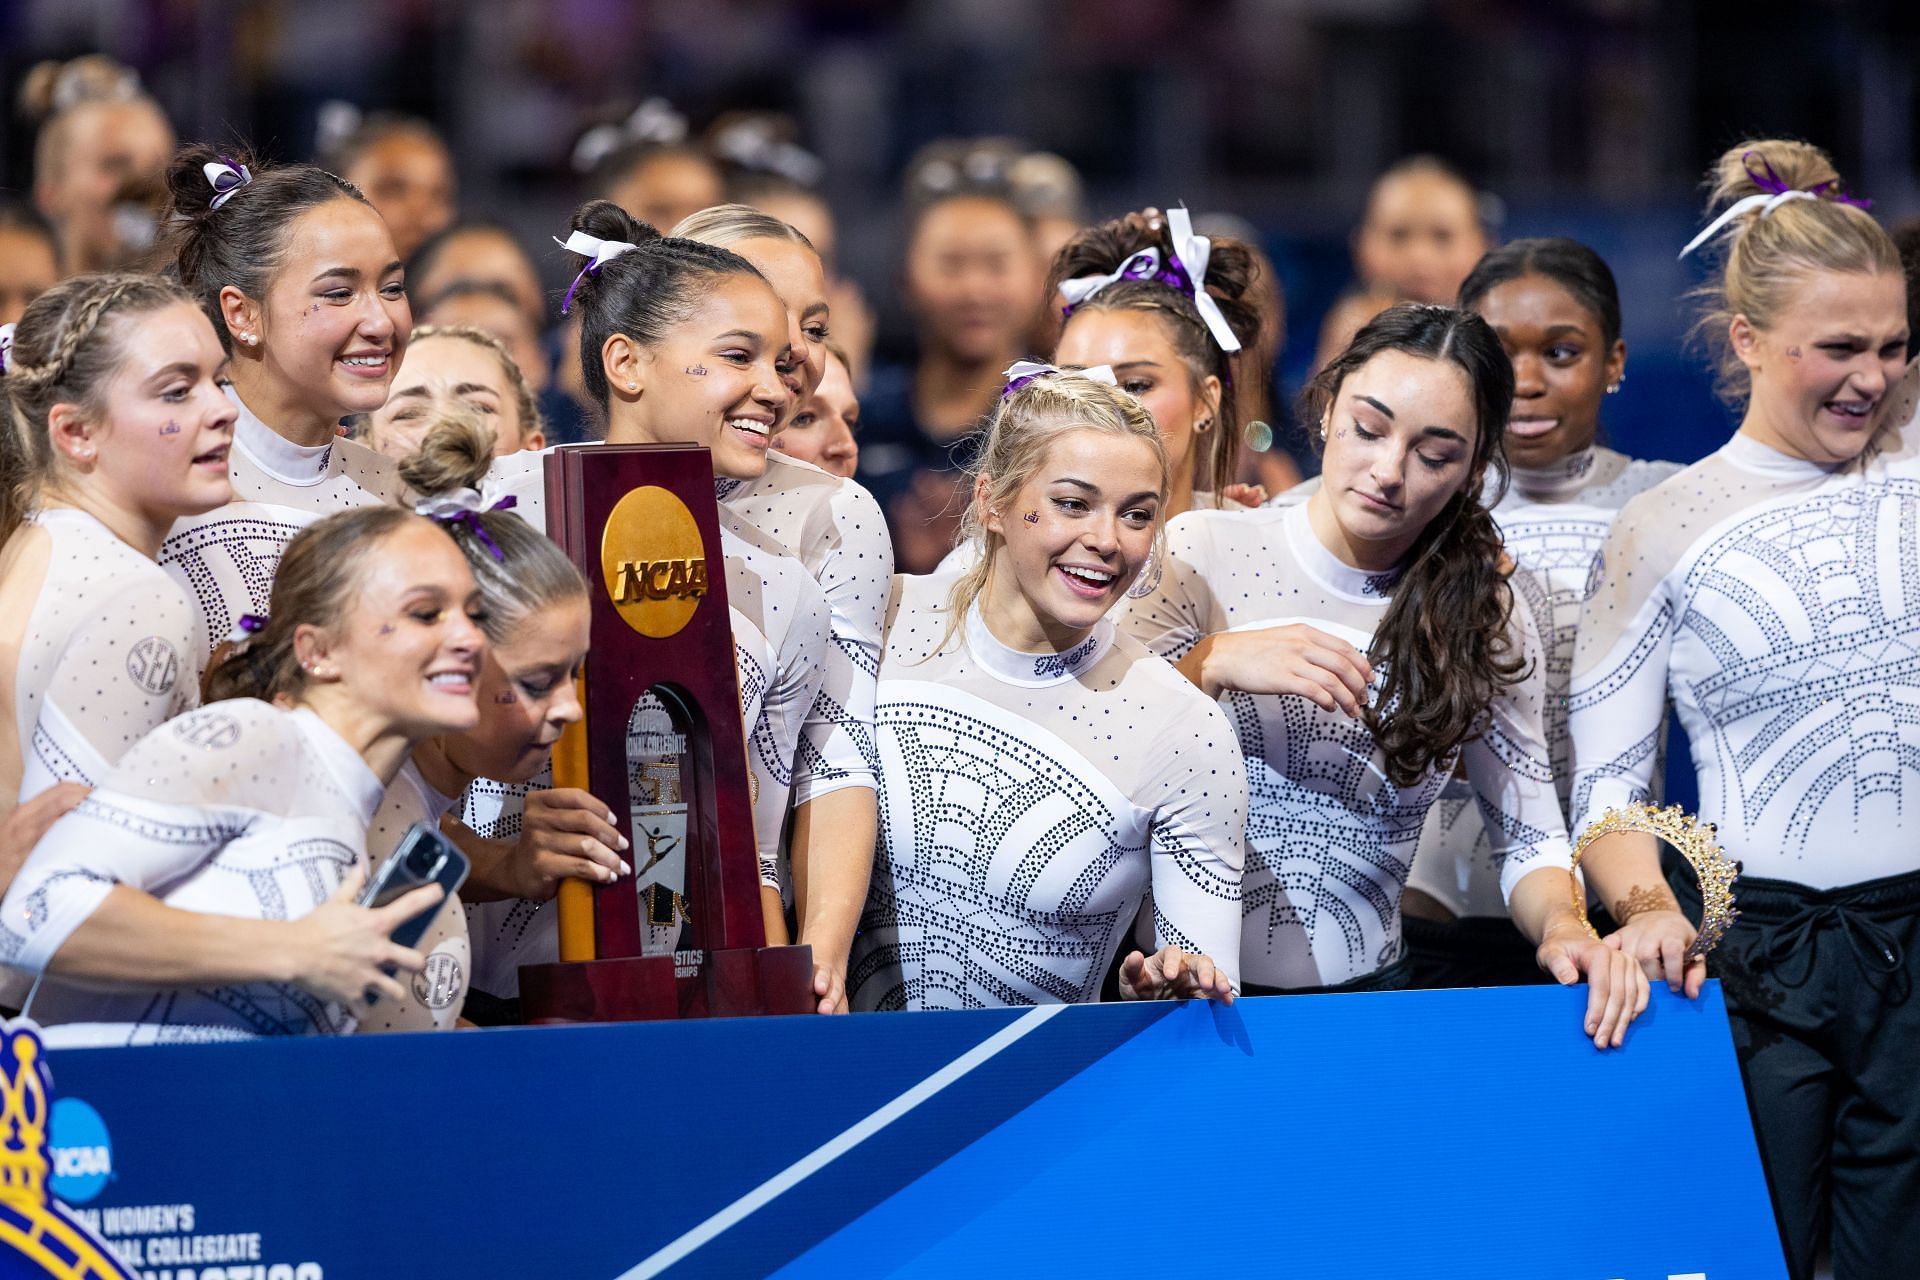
pixel 1651 926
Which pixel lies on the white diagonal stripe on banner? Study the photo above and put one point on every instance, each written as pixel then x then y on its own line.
pixel 832 1149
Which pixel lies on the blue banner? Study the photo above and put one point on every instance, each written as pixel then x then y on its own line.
pixel 1438 1134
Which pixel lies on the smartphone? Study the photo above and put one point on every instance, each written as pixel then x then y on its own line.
pixel 424 856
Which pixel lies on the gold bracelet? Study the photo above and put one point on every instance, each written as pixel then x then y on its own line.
pixel 1694 841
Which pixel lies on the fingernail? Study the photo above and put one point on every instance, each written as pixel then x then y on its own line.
pixel 625 844
pixel 625 870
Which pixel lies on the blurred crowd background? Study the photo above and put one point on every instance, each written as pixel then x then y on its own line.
pixel 1271 118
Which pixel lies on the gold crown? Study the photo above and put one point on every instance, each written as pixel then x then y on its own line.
pixel 23 1116
pixel 1694 840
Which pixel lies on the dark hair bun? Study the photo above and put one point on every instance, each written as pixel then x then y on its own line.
pixel 605 220
pixel 187 185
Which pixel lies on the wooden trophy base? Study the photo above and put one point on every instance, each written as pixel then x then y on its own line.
pixel 738 983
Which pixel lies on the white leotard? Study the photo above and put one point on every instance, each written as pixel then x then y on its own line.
pixel 1027 804
pixel 436 993
pixel 1776 602
pixel 782 648
pixel 226 558
pixel 1329 837
pixel 111 650
pixel 1554 521
pixel 834 527
pixel 237 809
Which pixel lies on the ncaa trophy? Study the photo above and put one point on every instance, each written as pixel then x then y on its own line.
pixel 684 935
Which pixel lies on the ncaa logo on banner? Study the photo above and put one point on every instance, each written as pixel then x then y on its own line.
pixel 79 1151
pixel 54 1150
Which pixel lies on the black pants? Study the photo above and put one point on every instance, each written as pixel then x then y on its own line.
pixel 1473 951
pixel 1819 988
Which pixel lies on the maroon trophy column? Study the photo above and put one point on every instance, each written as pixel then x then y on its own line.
pixel 662 744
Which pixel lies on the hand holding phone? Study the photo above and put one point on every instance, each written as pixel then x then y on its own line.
pixel 423 857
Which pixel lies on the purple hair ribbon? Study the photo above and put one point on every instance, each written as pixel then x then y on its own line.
pixel 226 178
pixel 1772 183
pixel 1185 264
pixel 462 506
pixel 1773 193
pixel 250 625
pixel 1021 372
pixel 598 253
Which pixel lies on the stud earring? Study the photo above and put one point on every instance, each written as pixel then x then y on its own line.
pixel 1616 384
pixel 247 337
pixel 633 386
pixel 1203 426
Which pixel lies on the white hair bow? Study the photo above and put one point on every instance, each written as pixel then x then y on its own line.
pixel 653 121
pixel 598 253
pixel 751 144
pixel 225 178
pixel 450 505
pixel 1185 269
pixel 1144 265
pixel 6 344
pixel 1765 202
pixel 1021 372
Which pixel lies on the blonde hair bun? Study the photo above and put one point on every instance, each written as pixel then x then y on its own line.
pixel 454 454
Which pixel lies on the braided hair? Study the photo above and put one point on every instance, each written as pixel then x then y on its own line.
pixel 65 349
pixel 643 293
